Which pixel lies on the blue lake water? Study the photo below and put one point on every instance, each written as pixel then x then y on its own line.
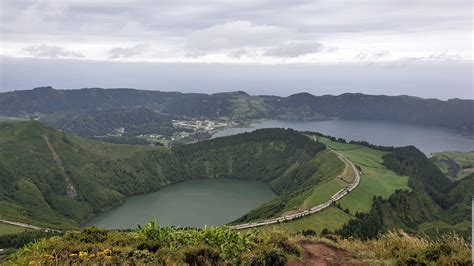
pixel 427 139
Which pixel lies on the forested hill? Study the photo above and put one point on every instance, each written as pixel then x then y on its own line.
pixel 56 179
pixel 454 113
pixel 435 204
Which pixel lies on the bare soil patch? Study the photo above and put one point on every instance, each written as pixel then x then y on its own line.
pixel 320 253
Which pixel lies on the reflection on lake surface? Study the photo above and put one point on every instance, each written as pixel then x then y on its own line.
pixel 192 203
pixel 427 139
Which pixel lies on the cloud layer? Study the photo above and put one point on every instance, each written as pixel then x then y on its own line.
pixel 258 31
pixel 51 51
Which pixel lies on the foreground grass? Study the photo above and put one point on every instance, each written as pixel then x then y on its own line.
pixel 6 229
pixel 402 249
pixel 152 244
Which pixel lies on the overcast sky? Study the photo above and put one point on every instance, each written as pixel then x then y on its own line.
pixel 331 46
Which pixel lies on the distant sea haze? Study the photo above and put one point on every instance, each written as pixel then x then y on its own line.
pixel 442 80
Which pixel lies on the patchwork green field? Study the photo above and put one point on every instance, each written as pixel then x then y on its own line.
pixel 376 180
pixel 455 164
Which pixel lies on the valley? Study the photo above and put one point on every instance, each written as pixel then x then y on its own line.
pixel 304 169
pixel 143 117
pixel 194 203
pixel 116 168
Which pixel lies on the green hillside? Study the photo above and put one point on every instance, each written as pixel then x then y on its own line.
pixel 453 113
pixel 376 180
pixel 56 179
pixel 433 206
pixel 59 180
pixel 455 164
pixel 400 188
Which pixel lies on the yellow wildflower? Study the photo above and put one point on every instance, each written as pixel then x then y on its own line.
pixel 82 254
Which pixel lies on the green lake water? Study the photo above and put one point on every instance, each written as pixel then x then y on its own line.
pixel 192 203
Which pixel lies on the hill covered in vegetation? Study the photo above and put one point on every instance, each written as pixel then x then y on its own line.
pixel 434 205
pixel 56 179
pixel 133 121
pixel 454 113
pixel 400 188
pixel 455 164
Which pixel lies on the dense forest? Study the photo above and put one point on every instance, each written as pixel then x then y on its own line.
pixel 134 121
pixel 454 113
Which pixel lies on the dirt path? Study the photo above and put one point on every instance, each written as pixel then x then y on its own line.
pixel 70 189
pixel 24 225
pixel 319 253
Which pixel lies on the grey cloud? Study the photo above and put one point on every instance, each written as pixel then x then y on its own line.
pixel 178 18
pixel 197 28
pixel 238 53
pixel 371 58
pixel 50 51
pixel 437 57
pixel 236 34
pixel 295 49
pixel 127 52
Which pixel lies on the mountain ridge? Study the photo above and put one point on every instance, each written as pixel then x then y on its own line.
pixel 452 113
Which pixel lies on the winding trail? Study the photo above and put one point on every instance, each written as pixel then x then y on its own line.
pixel 30 226
pixel 337 196
pixel 70 189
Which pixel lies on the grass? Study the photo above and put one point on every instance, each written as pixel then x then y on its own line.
pixel 151 244
pixel 399 248
pixel 440 228
pixel 376 180
pixel 7 229
pixel 323 192
pixel 455 164
pixel 331 218
pixel 154 245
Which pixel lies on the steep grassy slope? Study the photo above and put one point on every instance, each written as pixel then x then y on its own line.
pixel 455 164
pixel 434 200
pixel 318 171
pixel 37 179
pixel 376 180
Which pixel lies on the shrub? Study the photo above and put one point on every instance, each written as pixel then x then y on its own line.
pixel 266 257
pixel 202 255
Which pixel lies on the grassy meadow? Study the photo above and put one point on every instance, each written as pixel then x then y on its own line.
pixel 376 180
